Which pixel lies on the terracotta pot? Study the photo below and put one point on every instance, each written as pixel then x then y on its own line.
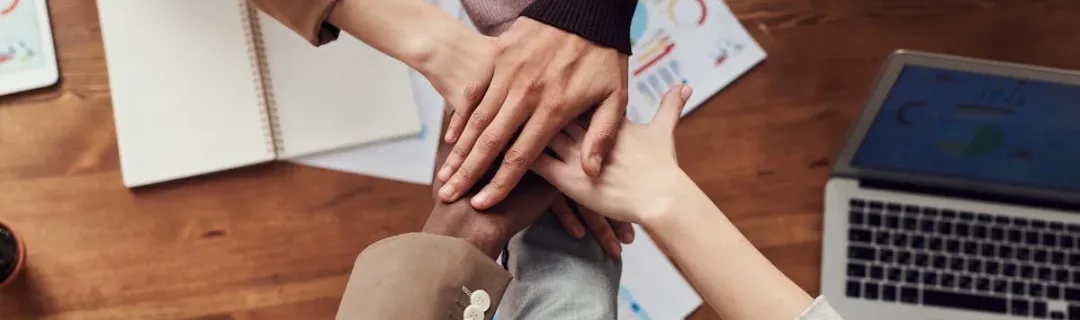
pixel 20 260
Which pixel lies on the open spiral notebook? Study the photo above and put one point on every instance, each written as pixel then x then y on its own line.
pixel 200 86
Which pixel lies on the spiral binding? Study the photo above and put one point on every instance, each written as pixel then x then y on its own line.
pixel 264 87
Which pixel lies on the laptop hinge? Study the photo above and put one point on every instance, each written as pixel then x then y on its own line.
pixel 968 194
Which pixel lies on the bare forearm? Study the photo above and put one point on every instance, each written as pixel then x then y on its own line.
pixel 732 275
pixel 408 30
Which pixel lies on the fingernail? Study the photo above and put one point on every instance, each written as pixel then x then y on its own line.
pixel 444 173
pixel 614 248
pixel 685 92
pixel 579 232
pixel 447 192
pixel 627 238
pixel 449 137
pixel 481 199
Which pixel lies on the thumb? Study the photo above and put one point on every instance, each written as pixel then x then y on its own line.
pixel 671 107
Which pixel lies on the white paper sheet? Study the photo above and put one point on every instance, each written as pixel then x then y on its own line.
pixel 697 42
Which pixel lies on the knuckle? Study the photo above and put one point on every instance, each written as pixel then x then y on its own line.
pixel 465 174
pixel 516 158
pixel 605 135
pixel 471 93
pixel 460 150
pixel 479 119
pixel 488 141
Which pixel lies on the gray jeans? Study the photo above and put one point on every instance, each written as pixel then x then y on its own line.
pixel 559 277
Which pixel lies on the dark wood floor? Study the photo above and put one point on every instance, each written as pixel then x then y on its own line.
pixel 277 241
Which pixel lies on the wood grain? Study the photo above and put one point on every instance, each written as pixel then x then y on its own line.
pixel 277 241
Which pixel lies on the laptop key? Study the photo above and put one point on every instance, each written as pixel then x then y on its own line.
pixel 1027 271
pixel 926 225
pixel 956 263
pixel 1074 312
pixel 857 203
pixel 903 258
pixel 1021 222
pixel 1031 237
pixel 938 261
pixel 1061 276
pixel 952 246
pixel 1005 252
pixel 939 298
pixel 894 274
pixel 870 291
pixel 855 270
pixel 1023 254
pixel 962 229
pixel 859 235
pixel 936 244
pixel 892 221
pixel 948 280
pixel 922 259
pixel 861 253
pixel 1035 290
pixel 873 219
pixel 1008 269
pixel 885 255
pixel 964 282
pixel 909 295
pixel 945 227
pixel 979 232
pixel 997 233
pixel 1038 224
pixel 984 217
pixel 908 223
pixel 1020 307
pixel 1053 291
pixel 1067 241
pixel 1074 260
pixel 1015 235
pixel 987 250
pixel 899 240
pixel 911 276
pixel 1072 294
pixel 1057 315
pixel 854 289
pixel 877 273
pixel 948 214
pixel 888 292
pixel 1044 273
pixel 1041 255
pixel 991 267
pixel 974 265
pixel 1018 288
pixel 918 242
pixel 1057 258
pixel 881 237
pixel 1001 286
pixel 1049 239
pixel 856 218
pixel 966 215
pixel 971 247
pixel 1038 309
pixel 876 205
pixel 930 278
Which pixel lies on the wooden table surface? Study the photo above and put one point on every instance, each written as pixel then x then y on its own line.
pixel 277 241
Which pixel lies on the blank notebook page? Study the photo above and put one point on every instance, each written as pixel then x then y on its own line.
pixel 341 94
pixel 183 88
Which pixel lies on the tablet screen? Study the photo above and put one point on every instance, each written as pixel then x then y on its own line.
pixel 980 127
pixel 20 37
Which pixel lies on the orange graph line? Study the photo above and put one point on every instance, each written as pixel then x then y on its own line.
pixel 10 8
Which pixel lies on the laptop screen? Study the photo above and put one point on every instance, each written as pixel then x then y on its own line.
pixel 978 127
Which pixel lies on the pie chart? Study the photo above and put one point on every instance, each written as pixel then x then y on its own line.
pixel 688 13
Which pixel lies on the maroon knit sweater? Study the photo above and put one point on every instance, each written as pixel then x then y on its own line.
pixel 605 22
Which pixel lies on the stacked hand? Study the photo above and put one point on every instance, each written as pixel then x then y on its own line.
pixel 642 175
pixel 533 79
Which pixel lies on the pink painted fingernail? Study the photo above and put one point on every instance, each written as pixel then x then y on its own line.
pixel 444 173
pixel 447 192
pixel 481 199
pixel 685 92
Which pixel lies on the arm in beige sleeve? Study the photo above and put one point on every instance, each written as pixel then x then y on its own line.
pixel 420 276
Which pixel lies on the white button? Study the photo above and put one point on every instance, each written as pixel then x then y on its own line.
pixel 480 299
pixel 473 312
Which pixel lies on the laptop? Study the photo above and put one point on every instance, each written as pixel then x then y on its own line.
pixel 957 194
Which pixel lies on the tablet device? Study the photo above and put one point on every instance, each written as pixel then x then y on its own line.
pixel 27 55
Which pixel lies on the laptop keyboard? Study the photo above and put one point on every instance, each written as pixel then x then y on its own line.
pixel 920 255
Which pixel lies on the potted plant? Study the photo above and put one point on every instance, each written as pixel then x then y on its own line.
pixel 12 255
